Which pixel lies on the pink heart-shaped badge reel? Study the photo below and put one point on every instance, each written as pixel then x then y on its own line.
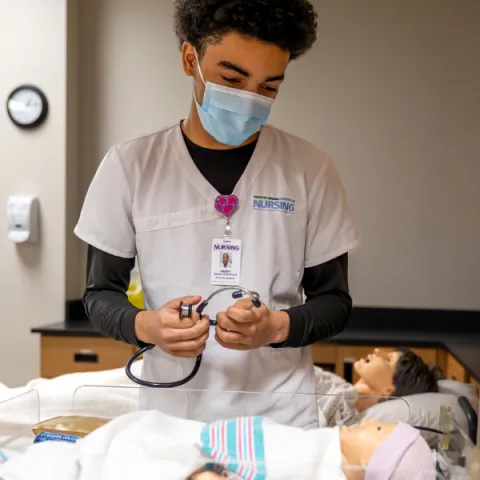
pixel 226 204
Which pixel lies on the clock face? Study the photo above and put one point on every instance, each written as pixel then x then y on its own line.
pixel 27 106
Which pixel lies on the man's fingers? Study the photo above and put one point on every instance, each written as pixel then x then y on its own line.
pixel 173 320
pixel 243 304
pixel 231 337
pixel 230 346
pixel 191 333
pixel 241 315
pixel 189 345
pixel 188 300
pixel 226 323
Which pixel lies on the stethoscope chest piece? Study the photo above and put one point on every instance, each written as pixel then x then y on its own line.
pixel 185 310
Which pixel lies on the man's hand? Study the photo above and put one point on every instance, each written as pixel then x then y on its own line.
pixel 244 327
pixel 184 337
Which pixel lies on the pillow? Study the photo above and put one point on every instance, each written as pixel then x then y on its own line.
pixel 424 411
pixel 460 390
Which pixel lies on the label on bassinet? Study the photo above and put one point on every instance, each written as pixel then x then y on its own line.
pixel 55 437
pixel 3 458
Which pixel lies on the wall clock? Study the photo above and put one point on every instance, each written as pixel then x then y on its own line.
pixel 27 106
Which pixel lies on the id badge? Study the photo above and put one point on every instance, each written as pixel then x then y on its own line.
pixel 226 261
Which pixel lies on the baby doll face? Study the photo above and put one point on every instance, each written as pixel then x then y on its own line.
pixel 358 442
pixel 369 431
pixel 206 476
pixel 376 371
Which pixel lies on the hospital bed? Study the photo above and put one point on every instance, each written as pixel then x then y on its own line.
pixel 110 395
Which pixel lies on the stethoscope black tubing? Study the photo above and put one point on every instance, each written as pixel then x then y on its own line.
pixel 178 383
pixel 146 383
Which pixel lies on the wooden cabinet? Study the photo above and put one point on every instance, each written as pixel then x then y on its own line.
pixel 68 354
pixel 455 370
pixel 324 355
pixel 63 354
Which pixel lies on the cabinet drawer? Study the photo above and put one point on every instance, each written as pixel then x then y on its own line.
pixel 455 370
pixel 323 354
pixel 61 355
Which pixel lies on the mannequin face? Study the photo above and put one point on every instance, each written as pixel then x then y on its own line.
pixel 376 372
pixel 358 442
pixel 205 476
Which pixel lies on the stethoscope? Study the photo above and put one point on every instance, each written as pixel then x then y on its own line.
pixel 186 310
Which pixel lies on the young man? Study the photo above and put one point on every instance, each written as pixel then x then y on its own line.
pixel 176 190
pixel 382 374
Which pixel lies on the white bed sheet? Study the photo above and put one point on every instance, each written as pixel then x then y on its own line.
pixel 154 445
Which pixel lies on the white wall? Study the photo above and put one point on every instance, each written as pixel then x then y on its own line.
pixel 32 283
pixel 390 92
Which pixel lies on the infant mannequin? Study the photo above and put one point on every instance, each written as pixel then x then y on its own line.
pixel 373 450
pixel 204 475
pixel 370 450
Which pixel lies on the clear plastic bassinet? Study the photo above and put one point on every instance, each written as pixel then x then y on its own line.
pixel 454 455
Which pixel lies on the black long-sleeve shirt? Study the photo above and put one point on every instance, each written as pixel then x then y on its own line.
pixel 328 302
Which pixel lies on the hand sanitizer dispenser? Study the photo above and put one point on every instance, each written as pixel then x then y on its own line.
pixel 23 218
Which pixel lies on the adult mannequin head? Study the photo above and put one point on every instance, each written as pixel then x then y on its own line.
pixel 244 45
pixel 397 373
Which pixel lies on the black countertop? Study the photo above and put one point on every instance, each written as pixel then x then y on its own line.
pixel 465 347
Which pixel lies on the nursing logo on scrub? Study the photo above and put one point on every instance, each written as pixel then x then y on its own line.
pixel 274 204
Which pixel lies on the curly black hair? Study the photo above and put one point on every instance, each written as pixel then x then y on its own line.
pixel 289 24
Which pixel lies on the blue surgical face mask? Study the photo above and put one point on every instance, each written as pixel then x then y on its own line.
pixel 229 115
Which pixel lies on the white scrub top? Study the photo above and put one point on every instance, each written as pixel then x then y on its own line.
pixel 149 200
